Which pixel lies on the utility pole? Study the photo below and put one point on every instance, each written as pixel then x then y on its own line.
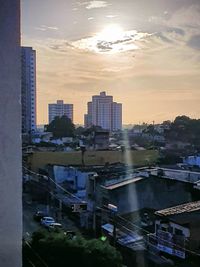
pixel 48 195
pixel 114 229
pixel 114 210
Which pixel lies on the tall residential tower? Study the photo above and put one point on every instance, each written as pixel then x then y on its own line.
pixel 28 94
pixel 59 109
pixel 102 111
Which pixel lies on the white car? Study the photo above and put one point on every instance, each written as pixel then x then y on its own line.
pixel 46 221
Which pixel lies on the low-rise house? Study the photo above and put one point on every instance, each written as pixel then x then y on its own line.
pixel 192 161
pixel 131 193
pixel 101 140
pixel 41 137
pixel 177 230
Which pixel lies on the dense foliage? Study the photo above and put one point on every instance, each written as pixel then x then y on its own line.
pixel 184 129
pixel 61 127
pixel 57 250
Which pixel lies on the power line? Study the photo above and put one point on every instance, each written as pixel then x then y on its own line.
pixel 169 242
pixel 36 254
pixel 62 188
pixel 136 226
pixel 147 232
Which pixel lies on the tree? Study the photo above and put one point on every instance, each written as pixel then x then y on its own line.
pixel 184 129
pixel 58 250
pixel 61 127
pixel 93 128
pixel 79 131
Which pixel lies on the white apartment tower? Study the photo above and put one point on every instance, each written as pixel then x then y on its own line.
pixel 102 111
pixel 60 109
pixel 28 94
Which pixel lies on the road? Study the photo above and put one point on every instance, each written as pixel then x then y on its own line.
pixel 30 226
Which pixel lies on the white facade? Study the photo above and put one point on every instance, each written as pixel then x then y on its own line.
pixel 60 109
pixel 102 111
pixel 28 59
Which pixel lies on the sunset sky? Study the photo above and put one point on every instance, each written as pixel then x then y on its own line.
pixel 144 53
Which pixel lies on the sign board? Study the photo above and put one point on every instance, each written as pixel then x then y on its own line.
pixel 171 251
pixel 79 207
pixel 112 207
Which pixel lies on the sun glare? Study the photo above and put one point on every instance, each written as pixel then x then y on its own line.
pixel 111 33
pixel 112 39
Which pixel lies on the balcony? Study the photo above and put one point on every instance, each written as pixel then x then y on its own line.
pixel 166 242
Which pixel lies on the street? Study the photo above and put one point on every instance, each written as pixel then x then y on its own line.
pixel 30 225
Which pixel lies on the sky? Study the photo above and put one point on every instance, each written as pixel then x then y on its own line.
pixel 144 53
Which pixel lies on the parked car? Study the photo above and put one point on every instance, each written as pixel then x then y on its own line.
pixel 70 234
pixel 54 226
pixel 46 221
pixel 39 215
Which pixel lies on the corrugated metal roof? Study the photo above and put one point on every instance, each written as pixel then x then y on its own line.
pixel 184 208
pixel 123 183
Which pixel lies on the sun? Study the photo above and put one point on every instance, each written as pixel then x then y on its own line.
pixel 112 39
pixel 111 33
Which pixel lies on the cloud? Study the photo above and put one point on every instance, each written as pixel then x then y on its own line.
pixel 176 30
pixel 94 4
pixel 163 37
pixel 97 4
pixel 40 29
pixel 45 28
pixel 122 42
pixel 185 18
pixel 194 42
pixel 111 16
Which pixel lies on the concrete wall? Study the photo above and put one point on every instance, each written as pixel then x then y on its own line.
pixel 41 159
pixel 69 174
pixel 10 140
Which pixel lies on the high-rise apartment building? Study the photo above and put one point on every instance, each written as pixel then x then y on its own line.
pixel 60 109
pixel 28 94
pixel 116 116
pixel 88 116
pixel 102 111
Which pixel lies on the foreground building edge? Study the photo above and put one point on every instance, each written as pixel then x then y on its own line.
pixel 10 135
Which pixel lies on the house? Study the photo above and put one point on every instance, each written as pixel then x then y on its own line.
pixel 98 140
pixel 131 193
pixel 192 161
pixel 177 230
pixel 41 137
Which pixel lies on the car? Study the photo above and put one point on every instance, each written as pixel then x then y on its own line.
pixel 54 226
pixel 46 221
pixel 39 215
pixel 70 234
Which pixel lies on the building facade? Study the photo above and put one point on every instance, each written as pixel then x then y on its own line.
pixel 10 136
pixel 102 111
pixel 116 116
pixel 177 230
pixel 88 116
pixel 60 109
pixel 28 95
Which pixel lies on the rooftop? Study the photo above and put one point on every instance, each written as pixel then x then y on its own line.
pixel 180 209
pixel 123 183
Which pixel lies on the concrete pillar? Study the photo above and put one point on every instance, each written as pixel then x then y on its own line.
pixel 10 135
